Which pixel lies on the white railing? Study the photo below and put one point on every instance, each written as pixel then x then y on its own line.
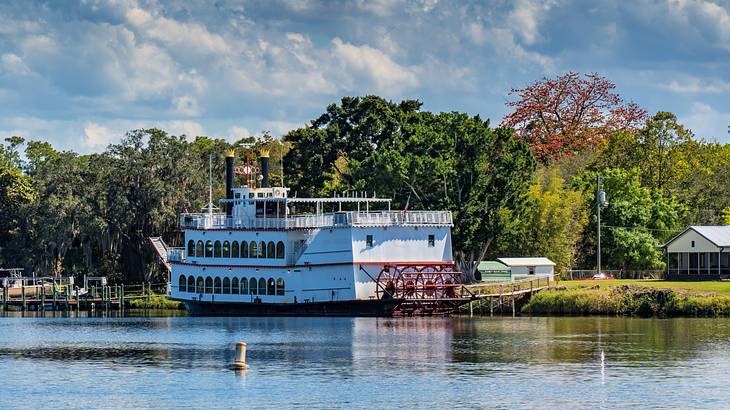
pixel 176 254
pixel 381 218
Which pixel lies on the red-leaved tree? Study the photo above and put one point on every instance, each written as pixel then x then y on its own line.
pixel 560 116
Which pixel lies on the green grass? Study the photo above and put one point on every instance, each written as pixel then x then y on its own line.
pixel 156 302
pixel 697 288
pixel 633 298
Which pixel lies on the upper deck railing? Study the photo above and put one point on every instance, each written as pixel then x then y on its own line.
pixel 337 219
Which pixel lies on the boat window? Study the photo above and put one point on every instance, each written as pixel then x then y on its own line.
pixel 252 286
pixel 431 241
pixel 199 249
pixel 191 248
pixel 208 249
pixel 244 249
pixel 271 288
pixel 262 249
pixel 271 250
pixel 226 285
pixel 217 249
pixel 191 283
pixel 199 285
pixel 208 285
pixel 217 285
pixel 280 287
pixel 183 284
pixel 234 249
pixel 244 286
pixel 226 249
pixel 369 241
pixel 280 250
pixel 234 286
pixel 252 249
pixel 262 286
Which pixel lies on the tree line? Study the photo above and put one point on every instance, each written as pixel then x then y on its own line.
pixel 524 187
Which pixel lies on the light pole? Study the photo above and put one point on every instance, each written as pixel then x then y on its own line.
pixel 600 202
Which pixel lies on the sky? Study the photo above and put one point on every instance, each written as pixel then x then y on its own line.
pixel 80 74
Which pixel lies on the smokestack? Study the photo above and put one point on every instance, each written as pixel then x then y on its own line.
pixel 229 180
pixel 265 168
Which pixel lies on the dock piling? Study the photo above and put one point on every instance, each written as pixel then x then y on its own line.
pixel 239 363
pixel 22 293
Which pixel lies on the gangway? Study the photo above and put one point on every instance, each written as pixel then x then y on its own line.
pixel 162 251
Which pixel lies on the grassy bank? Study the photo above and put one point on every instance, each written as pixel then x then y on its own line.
pixel 156 302
pixel 634 298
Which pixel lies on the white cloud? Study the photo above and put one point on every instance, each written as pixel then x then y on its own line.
pixel 524 19
pixel 11 63
pixel 98 137
pixel 387 76
pixel 707 122
pixel 236 133
pixel 696 85
pixel 186 105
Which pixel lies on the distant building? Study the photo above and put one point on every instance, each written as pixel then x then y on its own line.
pixel 699 252
pixel 515 268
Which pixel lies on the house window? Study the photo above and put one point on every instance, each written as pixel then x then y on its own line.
pixel 431 241
pixel 693 244
pixel 369 241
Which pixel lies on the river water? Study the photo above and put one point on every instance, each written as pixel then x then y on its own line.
pixel 181 362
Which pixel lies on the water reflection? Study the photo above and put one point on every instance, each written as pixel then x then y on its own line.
pixel 360 362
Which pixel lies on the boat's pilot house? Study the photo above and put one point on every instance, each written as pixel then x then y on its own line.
pixel 259 202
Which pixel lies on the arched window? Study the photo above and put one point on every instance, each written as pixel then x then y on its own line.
pixel 271 288
pixel 252 253
pixel 280 287
pixel 244 286
pixel 234 286
pixel 226 286
pixel 191 248
pixel 262 249
pixel 226 249
pixel 208 285
pixel 262 286
pixel 208 249
pixel 199 249
pixel 217 249
pixel 183 284
pixel 217 285
pixel 252 286
pixel 280 250
pixel 199 288
pixel 244 249
pixel 271 250
pixel 234 249
pixel 191 284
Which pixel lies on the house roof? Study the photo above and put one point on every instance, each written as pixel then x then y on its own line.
pixel 491 266
pixel 537 261
pixel 718 235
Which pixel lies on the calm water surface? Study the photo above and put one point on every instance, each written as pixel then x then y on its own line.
pixel 181 362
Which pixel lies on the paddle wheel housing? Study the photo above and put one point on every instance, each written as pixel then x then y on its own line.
pixel 426 288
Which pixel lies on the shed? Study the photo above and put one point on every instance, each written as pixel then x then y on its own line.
pixel 494 271
pixel 529 266
pixel 699 252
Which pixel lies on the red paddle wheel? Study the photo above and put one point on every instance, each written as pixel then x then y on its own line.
pixel 427 289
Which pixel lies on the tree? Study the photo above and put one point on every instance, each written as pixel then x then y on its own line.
pixel 564 115
pixel 554 222
pixel 635 222
pixel 450 161
pixel 16 194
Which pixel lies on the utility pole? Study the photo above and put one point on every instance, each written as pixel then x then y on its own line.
pixel 600 202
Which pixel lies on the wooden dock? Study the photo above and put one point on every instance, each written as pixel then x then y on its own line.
pixel 57 297
pixel 504 297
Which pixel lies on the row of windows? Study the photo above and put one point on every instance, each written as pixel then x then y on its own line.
pixel 235 250
pixel 233 285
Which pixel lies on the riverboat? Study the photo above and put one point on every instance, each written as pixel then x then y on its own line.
pixel 270 254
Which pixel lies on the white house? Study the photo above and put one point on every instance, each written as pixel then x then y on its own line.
pixel 699 252
pixel 529 266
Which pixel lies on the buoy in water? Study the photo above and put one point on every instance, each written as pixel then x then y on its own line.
pixel 240 361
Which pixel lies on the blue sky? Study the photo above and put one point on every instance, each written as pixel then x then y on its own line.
pixel 80 74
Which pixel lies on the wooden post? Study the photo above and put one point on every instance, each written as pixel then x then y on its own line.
pixel 5 299
pixel 471 309
pixel 22 292
pixel 121 298
pixel 149 292
pixel 78 301
pixel 54 296
pixel 491 307
pixel 513 305
pixel 43 297
pixel 66 295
